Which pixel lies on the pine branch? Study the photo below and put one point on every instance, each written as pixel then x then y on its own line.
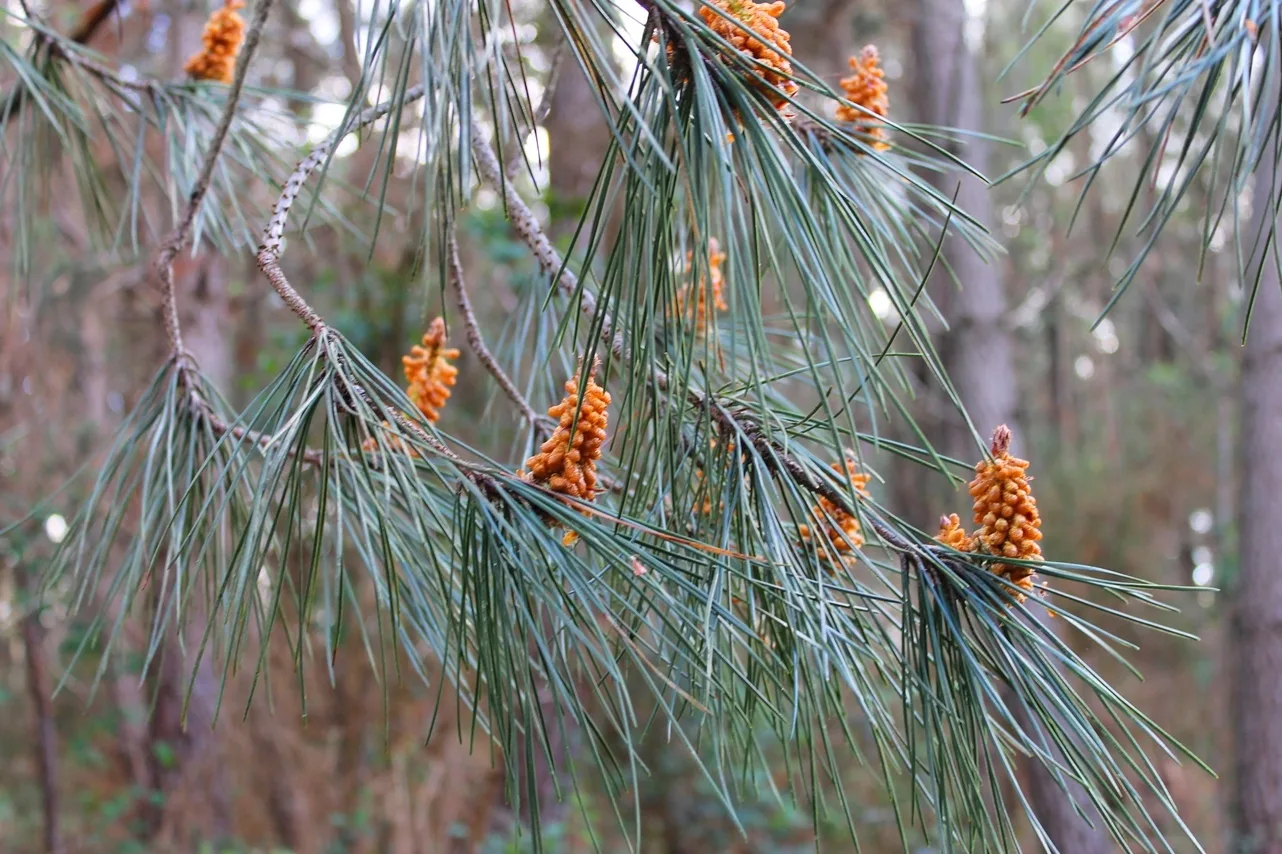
pixel 177 239
pixel 477 343
pixel 269 254
pixel 270 250
pixel 780 463
pixel 95 16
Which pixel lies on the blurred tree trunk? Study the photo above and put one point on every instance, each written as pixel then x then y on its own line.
pixel 827 29
pixel 577 137
pixel 969 291
pixel 183 714
pixel 977 348
pixel 1256 633
pixel 46 734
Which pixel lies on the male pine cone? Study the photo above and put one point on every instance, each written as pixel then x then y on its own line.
pixel 759 37
pixel 866 88
pixel 1006 512
pixel 224 33
pixel 429 372
pixel 953 535
pixel 840 527
pixel 566 462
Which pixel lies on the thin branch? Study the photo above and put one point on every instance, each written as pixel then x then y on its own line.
pixel 46 731
pixel 95 16
pixel 222 428
pixel 477 342
pixel 527 227
pixel 269 251
pixel 177 239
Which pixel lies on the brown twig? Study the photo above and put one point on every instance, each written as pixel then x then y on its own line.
pixel 177 239
pixel 269 253
pixel 270 250
pixel 95 16
pixel 477 342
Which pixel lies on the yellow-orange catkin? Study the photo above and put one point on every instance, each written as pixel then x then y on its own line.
pixel 840 527
pixel 429 372
pixel 566 462
pixel 715 284
pixel 1006 512
pixel 953 535
pixel 224 33
pixel 866 88
pixel 764 40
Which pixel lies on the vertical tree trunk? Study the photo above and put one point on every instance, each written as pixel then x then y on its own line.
pixel 969 291
pixel 1256 648
pixel 190 759
pixel 578 138
pixel 46 734
pixel 977 348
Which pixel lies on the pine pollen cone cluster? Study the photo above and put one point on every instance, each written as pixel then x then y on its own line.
pixel 837 524
pixel 716 284
pixel 224 33
pixel 1006 513
pixel 429 372
pixel 866 88
pixel 759 36
pixel 566 462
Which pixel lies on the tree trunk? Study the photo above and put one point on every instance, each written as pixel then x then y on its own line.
pixel 189 760
pixel 969 291
pixel 46 734
pixel 1256 648
pixel 578 138
pixel 977 348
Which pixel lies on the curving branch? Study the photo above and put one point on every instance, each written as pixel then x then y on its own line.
pixel 526 225
pixel 177 239
pixel 270 250
pixel 477 343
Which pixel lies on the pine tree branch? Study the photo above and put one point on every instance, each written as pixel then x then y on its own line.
pixel 270 250
pixel 269 254
pixel 780 463
pixel 177 239
pixel 222 428
pixel 526 225
pixel 477 343
pixel 89 23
